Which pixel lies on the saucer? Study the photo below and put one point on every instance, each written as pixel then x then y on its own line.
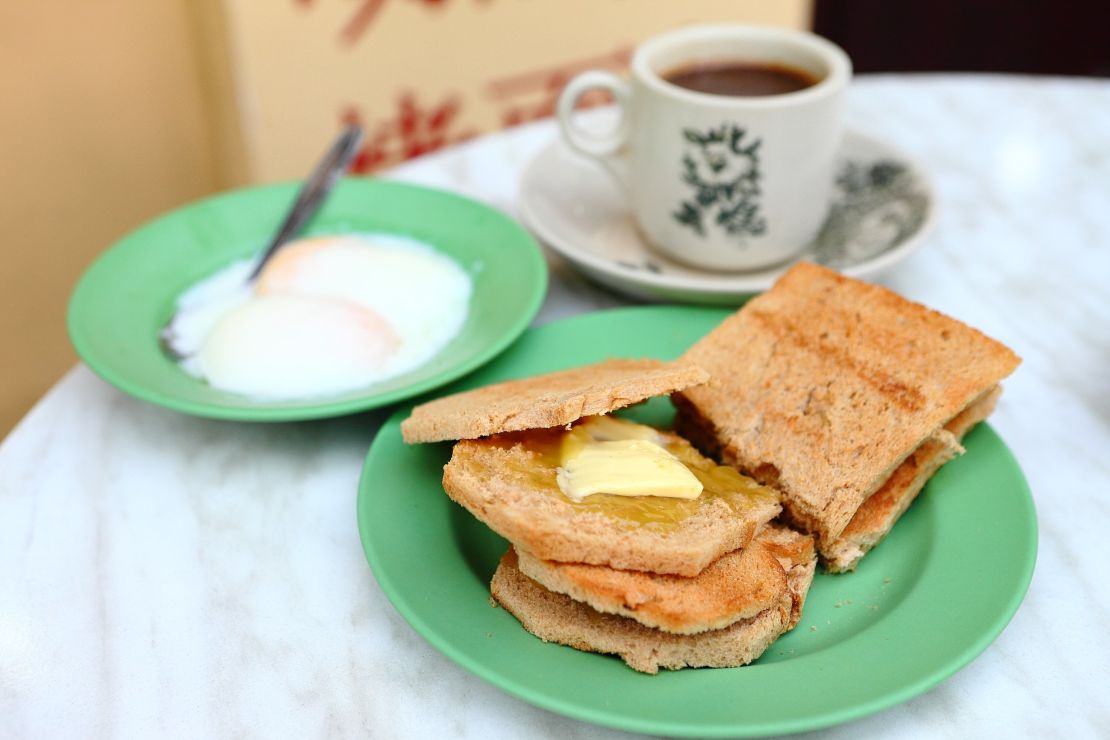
pixel 883 207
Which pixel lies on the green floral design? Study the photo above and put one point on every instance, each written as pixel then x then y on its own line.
pixel 721 166
pixel 877 205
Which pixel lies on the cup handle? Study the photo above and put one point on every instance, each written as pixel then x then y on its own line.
pixel 605 147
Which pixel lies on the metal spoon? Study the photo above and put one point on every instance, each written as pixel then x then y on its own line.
pixel 315 189
pixel 311 196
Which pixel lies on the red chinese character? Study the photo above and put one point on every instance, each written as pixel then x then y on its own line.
pixel 365 15
pixel 412 131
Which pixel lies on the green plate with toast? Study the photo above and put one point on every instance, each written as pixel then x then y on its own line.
pixel 929 599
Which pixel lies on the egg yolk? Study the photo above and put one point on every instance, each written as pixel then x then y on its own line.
pixel 287 345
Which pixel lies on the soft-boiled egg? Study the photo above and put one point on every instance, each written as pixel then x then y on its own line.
pixel 422 293
pixel 288 346
pixel 326 316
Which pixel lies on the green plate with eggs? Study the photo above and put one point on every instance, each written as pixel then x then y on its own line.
pixel 923 604
pixel 129 293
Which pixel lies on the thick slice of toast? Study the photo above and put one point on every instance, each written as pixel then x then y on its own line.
pixel 824 385
pixel 558 618
pixel 878 514
pixel 550 400
pixel 507 483
pixel 738 585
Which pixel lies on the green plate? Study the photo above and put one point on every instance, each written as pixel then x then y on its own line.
pixel 921 606
pixel 129 293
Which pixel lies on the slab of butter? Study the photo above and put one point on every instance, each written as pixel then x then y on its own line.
pixel 607 455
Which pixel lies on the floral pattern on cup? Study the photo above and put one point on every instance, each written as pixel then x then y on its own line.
pixel 721 167
pixel 876 206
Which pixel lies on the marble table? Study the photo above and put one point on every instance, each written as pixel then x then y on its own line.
pixel 165 576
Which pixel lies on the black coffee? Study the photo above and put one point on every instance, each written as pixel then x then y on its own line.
pixel 740 78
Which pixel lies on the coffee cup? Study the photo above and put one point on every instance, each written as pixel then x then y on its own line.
pixel 726 140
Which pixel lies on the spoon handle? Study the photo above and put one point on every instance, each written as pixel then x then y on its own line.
pixel 314 191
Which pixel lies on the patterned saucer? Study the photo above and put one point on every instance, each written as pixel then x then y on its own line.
pixel 883 208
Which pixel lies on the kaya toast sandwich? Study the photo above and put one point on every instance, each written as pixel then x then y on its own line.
pixel 511 481
pixel 504 469
pixel 843 395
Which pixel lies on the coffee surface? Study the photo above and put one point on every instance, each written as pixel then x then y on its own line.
pixel 740 78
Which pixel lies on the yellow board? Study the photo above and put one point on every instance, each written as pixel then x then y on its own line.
pixel 104 127
pixel 422 74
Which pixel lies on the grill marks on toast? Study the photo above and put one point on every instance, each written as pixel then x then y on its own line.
pixel 825 385
pixel 836 356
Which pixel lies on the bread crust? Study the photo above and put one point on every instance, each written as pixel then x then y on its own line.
pixel 797 554
pixel 878 514
pixel 824 385
pixel 550 400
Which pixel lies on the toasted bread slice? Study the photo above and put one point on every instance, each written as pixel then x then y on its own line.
pixel 550 400
pixel 874 520
pixel 558 618
pixel 824 385
pixel 509 482
pixel 738 585
pixel 798 557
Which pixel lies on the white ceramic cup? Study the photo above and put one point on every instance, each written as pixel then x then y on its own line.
pixel 721 181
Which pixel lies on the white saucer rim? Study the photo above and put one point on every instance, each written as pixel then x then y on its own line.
pixel 717 284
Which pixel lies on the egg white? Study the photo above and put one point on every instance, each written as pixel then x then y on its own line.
pixel 328 315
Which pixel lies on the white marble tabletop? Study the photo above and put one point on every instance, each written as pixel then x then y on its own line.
pixel 165 576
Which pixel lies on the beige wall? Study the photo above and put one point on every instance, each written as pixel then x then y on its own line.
pixel 102 125
pixel 113 111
